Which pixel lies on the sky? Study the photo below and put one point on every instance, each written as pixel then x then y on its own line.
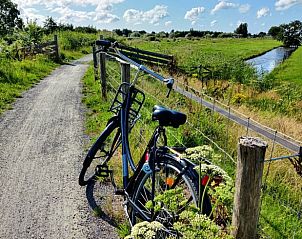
pixel 165 15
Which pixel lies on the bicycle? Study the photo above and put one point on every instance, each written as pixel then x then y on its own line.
pixel 159 168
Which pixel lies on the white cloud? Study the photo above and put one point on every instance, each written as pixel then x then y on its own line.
pixel 132 15
pixel 223 5
pixel 32 14
pixel 213 23
pixel 244 8
pixel 263 12
pixel 168 23
pixel 66 3
pixel 193 14
pixel 99 10
pixel 152 16
pixel 285 4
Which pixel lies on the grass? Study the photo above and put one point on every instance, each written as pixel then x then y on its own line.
pixel 291 69
pixel 18 76
pixel 208 52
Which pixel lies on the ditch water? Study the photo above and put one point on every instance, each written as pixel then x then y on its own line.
pixel 268 61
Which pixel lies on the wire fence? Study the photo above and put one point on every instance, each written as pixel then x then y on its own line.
pixel 281 200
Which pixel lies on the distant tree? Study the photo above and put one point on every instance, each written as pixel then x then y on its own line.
pixel 291 33
pixel 161 34
pixel 65 27
pixel 50 25
pixel 118 32
pixel 142 32
pixel 275 32
pixel 261 34
pixel 126 32
pixel 242 30
pixel 88 29
pixel 9 17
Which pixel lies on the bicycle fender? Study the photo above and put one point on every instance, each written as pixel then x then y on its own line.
pixel 186 163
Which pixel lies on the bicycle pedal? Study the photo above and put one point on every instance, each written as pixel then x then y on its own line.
pixel 119 192
pixel 102 171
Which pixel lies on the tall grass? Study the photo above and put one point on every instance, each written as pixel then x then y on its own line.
pixel 17 76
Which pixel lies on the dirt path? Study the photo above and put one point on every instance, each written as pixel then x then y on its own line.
pixel 41 149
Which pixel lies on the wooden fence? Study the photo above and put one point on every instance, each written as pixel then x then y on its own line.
pixel 138 55
pixel 50 48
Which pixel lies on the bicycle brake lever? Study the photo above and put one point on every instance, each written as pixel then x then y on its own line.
pixel 169 82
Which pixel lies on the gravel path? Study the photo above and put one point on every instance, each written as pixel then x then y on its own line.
pixel 41 149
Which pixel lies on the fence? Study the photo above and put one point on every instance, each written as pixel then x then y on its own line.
pixel 276 195
pixel 50 48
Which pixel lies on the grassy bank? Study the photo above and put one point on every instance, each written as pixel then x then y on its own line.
pixel 18 76
pixel 291 69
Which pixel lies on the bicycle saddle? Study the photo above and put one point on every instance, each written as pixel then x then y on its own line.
pixel 168 117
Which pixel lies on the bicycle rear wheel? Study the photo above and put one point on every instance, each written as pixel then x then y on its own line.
pixel 100 153
pixel 169 174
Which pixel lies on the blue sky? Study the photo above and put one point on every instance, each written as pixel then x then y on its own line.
pixel 165 15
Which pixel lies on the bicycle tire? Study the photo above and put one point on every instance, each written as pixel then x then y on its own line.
pixel 188 176
pixel 103 141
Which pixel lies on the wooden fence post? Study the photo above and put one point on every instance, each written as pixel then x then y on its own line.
pixel 95 63
pixel 55 39
pixel 251 155
pixel 103 74
pixel 125 74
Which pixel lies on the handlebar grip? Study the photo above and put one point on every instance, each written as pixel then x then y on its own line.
pixel 169 82
pixel 104 43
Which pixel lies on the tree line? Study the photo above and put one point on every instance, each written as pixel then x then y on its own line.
pixel 10 22
pixel 290 34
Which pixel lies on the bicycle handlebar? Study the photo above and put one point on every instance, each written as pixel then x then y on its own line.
pixel 114 45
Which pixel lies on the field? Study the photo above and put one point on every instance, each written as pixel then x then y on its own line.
pixel 210 52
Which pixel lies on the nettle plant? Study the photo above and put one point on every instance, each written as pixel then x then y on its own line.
pixel 190 223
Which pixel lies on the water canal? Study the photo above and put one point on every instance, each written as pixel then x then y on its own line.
pixel 267 62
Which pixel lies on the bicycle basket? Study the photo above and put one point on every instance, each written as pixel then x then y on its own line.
pixel 137 99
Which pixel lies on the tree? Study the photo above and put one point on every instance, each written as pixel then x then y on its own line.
pixel 50 25
pixel 118 32
pixel 242 30
pixel 275 32
pixel 291 33
pixel 33 33
pixel 261 34
pixel 9 17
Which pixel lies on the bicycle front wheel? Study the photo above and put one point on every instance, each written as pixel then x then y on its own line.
pixel 172 178
pixel 100 153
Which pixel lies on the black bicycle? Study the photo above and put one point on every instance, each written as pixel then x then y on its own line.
pixel 159 169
